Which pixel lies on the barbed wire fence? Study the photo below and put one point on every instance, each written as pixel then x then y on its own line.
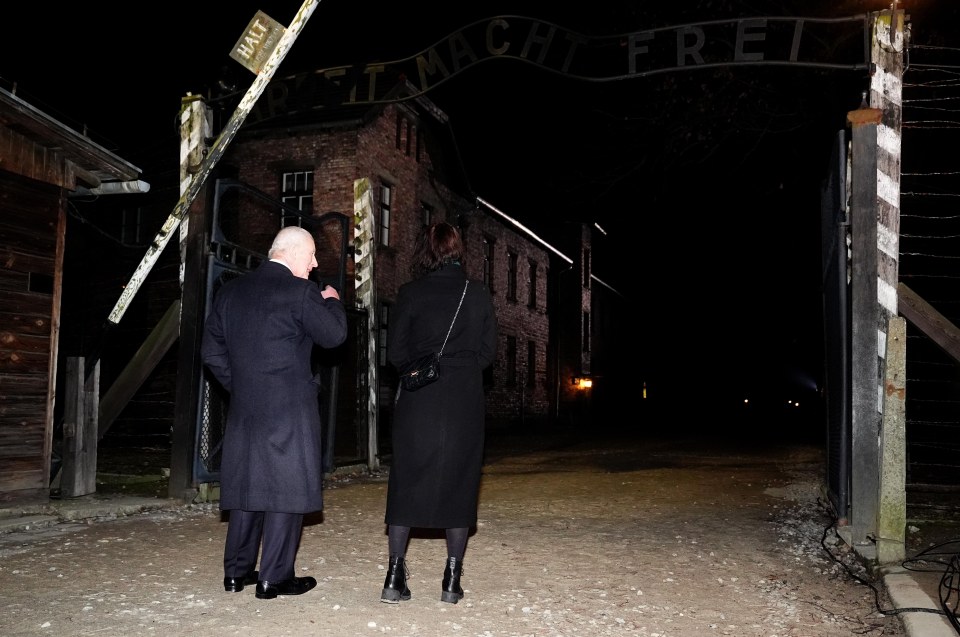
pixel 930 266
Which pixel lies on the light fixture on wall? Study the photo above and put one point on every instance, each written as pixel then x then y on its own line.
pixel 582 382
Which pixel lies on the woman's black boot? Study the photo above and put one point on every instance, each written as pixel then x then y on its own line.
pixel 395 583
pixel 452 593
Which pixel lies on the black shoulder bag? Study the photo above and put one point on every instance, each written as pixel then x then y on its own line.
pixel 426 369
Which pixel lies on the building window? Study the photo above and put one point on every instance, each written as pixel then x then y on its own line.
pixel 586 268
pixel 531 363
pixel 386 197
pixel 511 378
pixel 511 275
pixel 296 191
pixel 426 213
pixel 488 245
pixel 406 135
pixel 586 331
pixel 39 283
pixel 532 290
pixel 382 335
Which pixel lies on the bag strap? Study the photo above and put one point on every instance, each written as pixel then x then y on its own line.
pixel 454 318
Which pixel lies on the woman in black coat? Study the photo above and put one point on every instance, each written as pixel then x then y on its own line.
pixel 438 430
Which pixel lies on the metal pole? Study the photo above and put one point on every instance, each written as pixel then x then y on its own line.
pixel 216 152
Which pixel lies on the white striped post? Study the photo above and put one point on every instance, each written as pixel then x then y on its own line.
pixel 364 248
pixel 886 90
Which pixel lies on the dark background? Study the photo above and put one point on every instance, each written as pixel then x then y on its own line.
pixel 707 182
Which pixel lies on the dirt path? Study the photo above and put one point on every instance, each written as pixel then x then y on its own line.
pixel 646 538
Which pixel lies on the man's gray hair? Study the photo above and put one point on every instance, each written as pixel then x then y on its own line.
pixel 288 239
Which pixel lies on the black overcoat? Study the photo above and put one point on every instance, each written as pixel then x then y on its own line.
pixel 258 339
pixel 438 430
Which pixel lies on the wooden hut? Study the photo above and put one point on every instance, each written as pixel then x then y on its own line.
pixel 42 162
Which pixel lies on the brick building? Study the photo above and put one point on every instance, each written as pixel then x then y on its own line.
pixel 312 166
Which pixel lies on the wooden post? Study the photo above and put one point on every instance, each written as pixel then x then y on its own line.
pixel 195 125
pixel 138 369
pixel 886 95
pixel 81 404
pixel 366 296
pixel 892 513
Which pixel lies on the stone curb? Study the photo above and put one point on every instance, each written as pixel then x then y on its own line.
pixel 37 515
pixel 905 593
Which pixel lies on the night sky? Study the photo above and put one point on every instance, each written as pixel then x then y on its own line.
pixel 706 181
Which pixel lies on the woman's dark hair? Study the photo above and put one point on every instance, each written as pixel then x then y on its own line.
pixel 438 245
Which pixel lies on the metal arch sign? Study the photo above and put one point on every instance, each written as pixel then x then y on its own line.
pixel 826 43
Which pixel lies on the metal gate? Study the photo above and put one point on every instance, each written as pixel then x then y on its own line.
pixel 244 221
pixel 834 229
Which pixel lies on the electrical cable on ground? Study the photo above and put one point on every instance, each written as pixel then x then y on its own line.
pixel 948 583
pixel 951 617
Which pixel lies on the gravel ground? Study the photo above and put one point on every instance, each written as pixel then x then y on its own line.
pixel 576 538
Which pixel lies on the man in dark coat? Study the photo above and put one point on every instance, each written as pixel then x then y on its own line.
pixel 257 342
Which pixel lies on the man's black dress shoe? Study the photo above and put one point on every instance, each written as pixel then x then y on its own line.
pixel 293 586
pixel 236 584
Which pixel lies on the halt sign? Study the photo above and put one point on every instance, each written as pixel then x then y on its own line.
pixel 257 43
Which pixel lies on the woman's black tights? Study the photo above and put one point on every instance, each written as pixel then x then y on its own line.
pixel 398 536
pixel 457 542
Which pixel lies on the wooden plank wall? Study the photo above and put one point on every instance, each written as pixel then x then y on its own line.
pixel 30 224
pixel 24 157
